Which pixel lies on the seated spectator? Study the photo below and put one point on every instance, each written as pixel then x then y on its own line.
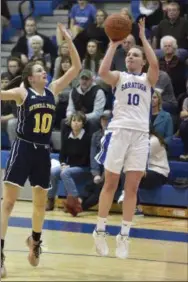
pixel 90 196
pixel 161 120
pixel 94 31
pixel 8 111
pixel 173 25
pixel 22 46
pixel 93 57
pixel 63 51
pixel 73 161
pixel 171 64
pixel 89 98
pixel 135 30
pixel 183 131
pixel 169 102
pixel 36 43
pixel 81 15
pixel 62 99
pixel 118 62
pixel 5 14
pixel 14 67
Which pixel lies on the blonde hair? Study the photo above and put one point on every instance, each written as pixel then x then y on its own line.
pixel 36 38
pixel 158 92
pixel 169 38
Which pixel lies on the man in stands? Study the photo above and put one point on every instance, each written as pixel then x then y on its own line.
pixel 174 26
pixel 22 46
pixel 89 98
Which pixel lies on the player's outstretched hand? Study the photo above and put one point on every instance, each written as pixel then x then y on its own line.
pixel 141 25
pixel 64 32
pixel 115 43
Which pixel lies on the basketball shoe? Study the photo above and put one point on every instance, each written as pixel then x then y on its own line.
pixel 122 246
pixel 34 251
pixel 100 242
pixel 3 269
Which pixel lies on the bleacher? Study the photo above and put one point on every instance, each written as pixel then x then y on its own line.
pixel 167 200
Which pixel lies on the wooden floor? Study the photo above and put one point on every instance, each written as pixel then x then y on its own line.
pixel 69 254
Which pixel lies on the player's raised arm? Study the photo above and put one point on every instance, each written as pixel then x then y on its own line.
pixel 153 71
pixel 16 94
pixel 58 85
pixel 110 77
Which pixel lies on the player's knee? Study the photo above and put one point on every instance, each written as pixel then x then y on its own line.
pixel 65 173
pixel 111 182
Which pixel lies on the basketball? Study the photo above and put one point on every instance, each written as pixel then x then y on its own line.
pixel 117 27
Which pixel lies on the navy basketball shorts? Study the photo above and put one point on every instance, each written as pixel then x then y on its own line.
pixel 28 161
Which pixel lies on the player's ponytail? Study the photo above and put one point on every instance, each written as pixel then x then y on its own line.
pixel 28 70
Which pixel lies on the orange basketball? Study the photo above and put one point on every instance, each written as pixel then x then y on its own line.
pixel 117 27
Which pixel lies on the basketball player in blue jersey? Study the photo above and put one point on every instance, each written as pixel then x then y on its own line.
pixel 30 153
pixel 125 145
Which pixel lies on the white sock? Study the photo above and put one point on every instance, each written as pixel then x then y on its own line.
pixel 101 224
pixel 125 227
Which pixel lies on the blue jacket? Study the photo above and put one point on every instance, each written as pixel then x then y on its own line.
pixel 163 125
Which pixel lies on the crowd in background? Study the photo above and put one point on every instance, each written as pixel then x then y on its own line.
pixel 84 108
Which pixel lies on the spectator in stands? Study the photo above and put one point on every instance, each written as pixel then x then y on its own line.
pixel 89 98
pixel 173 25
pixel 8 111
pixel 62 102
pixel 94 31
pixel 14 67
pixel 135 30
pixel 169 102
pixel 22 46
pixel 81 15
pixel 183 131
pixel 90 196
pixel 93 57
pixel 5 14
pixel 74 162
pixel 118 62
pixel 36 44
pixel 173 65
pixel 63 51
pixel 161 120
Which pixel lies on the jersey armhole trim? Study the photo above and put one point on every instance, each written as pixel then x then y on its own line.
pixel 19 105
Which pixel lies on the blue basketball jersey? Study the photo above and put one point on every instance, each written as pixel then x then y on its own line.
pixel 36 117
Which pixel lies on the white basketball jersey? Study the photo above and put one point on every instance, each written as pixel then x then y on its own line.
pixel 132 102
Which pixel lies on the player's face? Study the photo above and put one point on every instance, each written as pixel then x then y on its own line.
pixel 76 124
pixel 39 76
pixel 92 48
pixel 134 60
pixel 168 48
pixel 65 65
pixel 155 100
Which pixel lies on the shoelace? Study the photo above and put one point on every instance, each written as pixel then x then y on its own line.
pixel 37 249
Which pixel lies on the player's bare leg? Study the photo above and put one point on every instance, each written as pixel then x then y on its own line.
pixel 105 203
pixel 132 182
pixel 34 241
pixel 10 195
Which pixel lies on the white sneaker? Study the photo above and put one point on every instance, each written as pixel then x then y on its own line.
pixel 121 197
pixel 122 246
pixel 100 242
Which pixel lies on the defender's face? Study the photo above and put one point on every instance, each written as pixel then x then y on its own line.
pixel 134 60
pixel 39 76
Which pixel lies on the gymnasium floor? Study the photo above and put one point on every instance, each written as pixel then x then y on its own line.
pixel 158 249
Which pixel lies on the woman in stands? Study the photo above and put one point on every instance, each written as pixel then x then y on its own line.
pixel 125 145
pixel 30 153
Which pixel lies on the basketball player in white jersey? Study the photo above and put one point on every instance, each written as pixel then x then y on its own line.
pixel 125 145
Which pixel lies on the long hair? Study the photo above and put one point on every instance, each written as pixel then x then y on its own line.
pixel 98 56
pixel 63 59
pixel 28 71
pixel 160 138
